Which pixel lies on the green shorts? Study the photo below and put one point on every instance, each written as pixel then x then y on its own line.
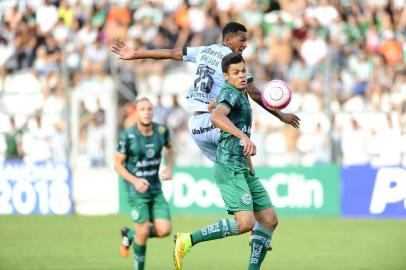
pixel 240 190
pixel 148 207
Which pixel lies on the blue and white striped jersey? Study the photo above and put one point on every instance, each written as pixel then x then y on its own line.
pixel 209 77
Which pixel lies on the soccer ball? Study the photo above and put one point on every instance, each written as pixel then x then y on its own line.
pixel 276 94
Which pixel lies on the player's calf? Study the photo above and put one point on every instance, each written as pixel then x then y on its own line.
pixel 161 228
pixel 245 221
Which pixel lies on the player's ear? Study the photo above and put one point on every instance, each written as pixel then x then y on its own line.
pixel 226 77
pixel 227 40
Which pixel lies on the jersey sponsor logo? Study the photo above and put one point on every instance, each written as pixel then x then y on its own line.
pixel 246 198
pixel 213 53
pixel 146 173
pixel 210 61
pixel 201 130
pixel 150 153
pixel 146 163
pixel 131 136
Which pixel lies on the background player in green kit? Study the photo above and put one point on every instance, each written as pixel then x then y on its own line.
pixel 137 161
pixel 242 192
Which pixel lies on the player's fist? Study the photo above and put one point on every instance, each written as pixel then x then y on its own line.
pixel 166 174
pixel 249 147
pixel 125 52
pixel 141 185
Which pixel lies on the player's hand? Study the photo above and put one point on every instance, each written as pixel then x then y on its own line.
pixel 249 147
pixel 141 185
pixel 291 119
pixel 166 174
pixel 125 52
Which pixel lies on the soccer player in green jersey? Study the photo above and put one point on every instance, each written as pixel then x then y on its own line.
pixel 137 161
pixel 243 194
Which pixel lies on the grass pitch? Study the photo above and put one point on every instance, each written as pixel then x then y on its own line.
pixel 51 242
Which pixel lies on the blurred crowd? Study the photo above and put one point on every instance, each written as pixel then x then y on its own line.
pixel 345 61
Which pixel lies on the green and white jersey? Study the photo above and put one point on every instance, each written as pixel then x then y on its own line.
pixel 230 149
pixel 143 154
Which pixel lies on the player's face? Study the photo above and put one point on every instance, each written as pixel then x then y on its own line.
pixel 144 112
pixel 237 75
pixel 237 42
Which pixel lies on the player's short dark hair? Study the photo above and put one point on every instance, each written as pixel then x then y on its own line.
pixel 138 100
pixel 229 59
pixel 233 28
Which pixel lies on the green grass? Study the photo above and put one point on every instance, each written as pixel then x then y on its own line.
pixel 41 242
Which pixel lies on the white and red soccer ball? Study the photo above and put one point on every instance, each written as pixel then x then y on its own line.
pixel 276 95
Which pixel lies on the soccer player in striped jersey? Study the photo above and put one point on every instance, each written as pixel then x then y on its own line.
pixel 138 159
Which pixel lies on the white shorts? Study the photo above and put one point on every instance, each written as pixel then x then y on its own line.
pixel 204 134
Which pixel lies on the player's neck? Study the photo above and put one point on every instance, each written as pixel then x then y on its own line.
pixel 145 130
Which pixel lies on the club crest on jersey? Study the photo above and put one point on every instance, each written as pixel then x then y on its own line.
pixel 246 198
pixel 161 129
pixel 150 153
pixel 135 214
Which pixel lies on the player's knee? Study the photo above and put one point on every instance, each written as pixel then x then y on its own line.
pixel 163 231
pixel 142 233
pixel 245 224
pixel 271 222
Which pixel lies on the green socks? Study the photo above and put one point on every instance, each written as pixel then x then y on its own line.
pixel 261 241
pixel 220 229
pixel 139 250
pixel 139 256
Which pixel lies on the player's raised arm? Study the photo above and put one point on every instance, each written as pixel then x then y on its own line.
pixel 287 118
pixel 127 53
pixel 219 119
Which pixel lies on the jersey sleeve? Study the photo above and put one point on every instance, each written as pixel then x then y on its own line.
pixel 164 134
pixel 167 137
pixel 122 146
pixel 228 98
pixel 190 53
